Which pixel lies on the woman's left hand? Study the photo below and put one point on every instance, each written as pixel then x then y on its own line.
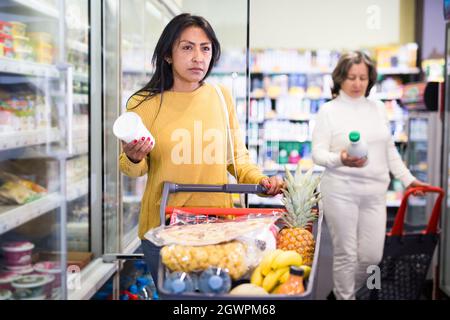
pixel 418 183
pixel 273 185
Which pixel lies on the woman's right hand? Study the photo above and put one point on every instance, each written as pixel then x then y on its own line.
pixel 137 150
pixel 352 161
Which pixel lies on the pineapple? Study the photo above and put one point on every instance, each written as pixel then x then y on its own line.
pixel 299 199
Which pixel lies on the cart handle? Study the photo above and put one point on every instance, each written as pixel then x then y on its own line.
pixel 397 229
pixel 170 187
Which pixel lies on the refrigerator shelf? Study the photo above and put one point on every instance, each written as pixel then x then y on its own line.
pixel 79 98
pixel 28 68
pixel 78 46
pixel 81 76
pixel 13 140
pixel 13 216
pixel 39 6
pixel 397 70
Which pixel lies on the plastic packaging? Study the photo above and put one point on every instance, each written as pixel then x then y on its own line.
pixel 178 282
pixel 143 290
pixel 129 127
pixel 17 254
pixel 230 256
pixel 357 148
pixel 214 280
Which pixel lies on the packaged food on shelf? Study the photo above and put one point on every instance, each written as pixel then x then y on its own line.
pixel 7 42
pixel 5 294
pixel 52 268
pixel 31 287
pixel 42 46
pixel 21 43
pixel 5 27
pixel 2 50
pixel 15 190
pixel 18 29
pixel 17 254
pixel 6 279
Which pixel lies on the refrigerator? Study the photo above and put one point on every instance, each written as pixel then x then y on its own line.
pixel 45 165
pixel 444 256
pixel 423 159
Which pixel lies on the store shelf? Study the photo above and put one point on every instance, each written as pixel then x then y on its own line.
pixel 80 147
pixel 393 203
pixel 132 199
pixel 77 189
pixel 300 71
pixel 13 216
pixel 78 46
pixel 40 6
pixel 93 277
pixel 80 98
pixel 388 71
pixel 20 139
pixel 292 167
pixel 28 68
pixel 80 76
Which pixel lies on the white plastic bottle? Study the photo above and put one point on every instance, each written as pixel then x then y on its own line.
pixel 357 147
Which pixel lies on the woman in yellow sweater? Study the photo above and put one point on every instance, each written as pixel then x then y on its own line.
pixel 185 116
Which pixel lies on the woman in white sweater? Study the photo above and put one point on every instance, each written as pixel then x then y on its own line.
pixel 354 189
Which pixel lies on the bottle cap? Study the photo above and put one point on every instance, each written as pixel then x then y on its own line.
pixel 296 270
pixel 354 136
pixel 133 289
pixel 141 281
pixel 215 282
pixel 178 286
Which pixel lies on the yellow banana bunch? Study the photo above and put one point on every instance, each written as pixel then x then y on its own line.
pixel 274 268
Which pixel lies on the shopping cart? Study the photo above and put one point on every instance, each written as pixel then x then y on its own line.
pixel 170 188
pixel 407 256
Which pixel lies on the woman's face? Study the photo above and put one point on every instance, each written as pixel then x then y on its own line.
pixel 355 85
pixel 191 56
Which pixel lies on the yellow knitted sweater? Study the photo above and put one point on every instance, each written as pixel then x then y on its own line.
pixel 187 131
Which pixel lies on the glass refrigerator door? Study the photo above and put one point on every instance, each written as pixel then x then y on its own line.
pixel 418 161
pixel 33 149
pixel 142 23
pixel 77 165
pixel 445 218
pixel 424 162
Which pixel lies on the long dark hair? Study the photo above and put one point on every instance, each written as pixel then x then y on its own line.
pixel 346 61
pixel 162 79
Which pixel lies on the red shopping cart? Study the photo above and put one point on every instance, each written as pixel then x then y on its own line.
pixel 407 256
pixel 169 188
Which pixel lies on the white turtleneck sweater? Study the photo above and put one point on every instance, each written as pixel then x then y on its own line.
pixel 335 120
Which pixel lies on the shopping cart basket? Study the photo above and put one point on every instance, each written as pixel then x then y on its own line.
pixel 170 188
pixel 406 256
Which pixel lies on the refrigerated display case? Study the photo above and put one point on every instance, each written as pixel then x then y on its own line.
pixel 424 143
pixel 33 149
pixel 444 245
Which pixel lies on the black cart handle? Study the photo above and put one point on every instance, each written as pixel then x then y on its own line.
pixel 170 187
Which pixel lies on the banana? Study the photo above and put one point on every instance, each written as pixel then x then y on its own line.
pixel 285 276
pixel 271 279
pixel 267 261
pixel 257 277
pixel 287 258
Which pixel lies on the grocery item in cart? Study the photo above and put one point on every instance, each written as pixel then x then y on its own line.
pixel 230 256
pixel 207 233
pixel 214 280
pixel 178 282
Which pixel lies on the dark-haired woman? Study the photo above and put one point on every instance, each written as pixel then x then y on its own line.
pixel 354 189
pixel 187 119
